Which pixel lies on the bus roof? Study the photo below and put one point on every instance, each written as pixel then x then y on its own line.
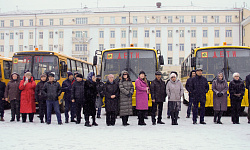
pixel 5 58
pixel 125 48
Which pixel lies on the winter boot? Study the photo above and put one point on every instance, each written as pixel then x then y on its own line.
pixel 94 123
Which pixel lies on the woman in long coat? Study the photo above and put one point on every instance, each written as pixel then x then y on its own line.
pixel 126 92
pixel 219 88
pixel 142 91
pixel 27 101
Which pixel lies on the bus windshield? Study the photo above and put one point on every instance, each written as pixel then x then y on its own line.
pixel 212 62
pixel 36 64
pixel 132 60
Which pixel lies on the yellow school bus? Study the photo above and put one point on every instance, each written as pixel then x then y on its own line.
pixel 39 62
pixel 226 59
pixel 133 60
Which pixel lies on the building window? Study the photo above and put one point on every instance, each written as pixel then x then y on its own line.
pixel 135 45
pixel 20 35
pixel 228 19
pixel 204 45
pixel 101 20
pixel 193 33
pixel 101 47
pixel 20 48
pixel 30 35
pixel 170 33
pixel 158 46
pixel 51 22
pixel 181 59
pixel 40 35
pixel 81 47
pixel 181 47
pixel 1 48
pixel 158 33
pixel 158 19
pixel 170 19
pixel 181 33
pixel 134 19
pixel 216 19
pixel 11 48
pixel 193 46
pixel 60 48
pixel 193 19
pixel 216 44
pixel 146 19
pixel 204 19
pixel 2 23
pixel 11 35
pixel 61 21
pixel 146 45
pixel 2 36
pixel 134 33
pixel 21 23
pixel 82 20
pixel 60 34
pixel 41 22
pixel 50 47
pixel 112 20
pixel 40 47
pixel 31 22
pixel 170 60
pixel 112 34
pixel 123 20
pixel 216 33
pixel 146 33
pixel 11 23
pixel 204 33
pixel 30 47
pixel 78 34
pixel 123 45
pixel 51 35
pixel 101 34
pixel 228 33
pixel 112 46
pixel 170 47
pixel 123 34
pixel 181 18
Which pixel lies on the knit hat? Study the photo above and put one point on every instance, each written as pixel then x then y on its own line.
pixel 69 73
pixel 158 73
pixel 142 72
pixel 51 75
pixel 79 76
pixel 76 72
pixel 28 73
pixel 43 75
pixel 172 75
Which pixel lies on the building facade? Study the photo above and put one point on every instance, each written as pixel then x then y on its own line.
pixel 79 32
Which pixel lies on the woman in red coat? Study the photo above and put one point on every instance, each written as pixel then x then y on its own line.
pixel 27 101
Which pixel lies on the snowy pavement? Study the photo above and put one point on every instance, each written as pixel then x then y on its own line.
pixel 185 136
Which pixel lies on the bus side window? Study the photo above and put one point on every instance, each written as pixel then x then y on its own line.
pixel 73 65
pixel 86 70
pixel 69 65
pixel 7 69
pixel 79 67
pixel 62 70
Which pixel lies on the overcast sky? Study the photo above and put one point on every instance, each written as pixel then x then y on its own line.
pixel 12 5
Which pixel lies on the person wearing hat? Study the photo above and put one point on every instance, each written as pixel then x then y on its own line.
pixel 2 90
pixel 158 95
pixel 66 88
pixel 75 74
pixel 199 88
pixel 27 101
pixel 78 96
pixel 100 95
pixel 142 91
pixel 52 90
pixel 41 99
pixel 191 96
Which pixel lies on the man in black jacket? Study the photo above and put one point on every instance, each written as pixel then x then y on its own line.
pixel 247 86
pixel 52 90
pixel 191 96
pixel 199 87
pixel 158 95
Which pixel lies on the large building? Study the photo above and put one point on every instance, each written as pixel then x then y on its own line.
pixel 79 32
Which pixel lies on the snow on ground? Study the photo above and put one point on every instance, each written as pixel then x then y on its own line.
pixel 185 136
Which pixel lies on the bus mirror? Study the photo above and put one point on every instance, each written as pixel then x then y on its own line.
pixel 193 62
pixel 95 60
pixel 161 60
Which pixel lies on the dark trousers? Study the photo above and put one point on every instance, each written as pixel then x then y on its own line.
pixel 99 110
pixel 24 116
pixel 110 117
pixel 78 106
pixel 141 116
pixel 174 116
pixel 86 117
pixel 202 110
pixel 217 114
pixel 69 105
pixel 53 104
pixel 154 109
pixel 168 111
pixel 125 120
pixel 235 110
pixel 15 109
pixel 42 110
pixel 1 107
pixel 190 103
pixel 248 115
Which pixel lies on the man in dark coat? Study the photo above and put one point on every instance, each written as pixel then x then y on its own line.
pixel 2 90
pixel 52 90
pixel 41 98
pixel 247 86
pixel 78 96
pixel 191 96
pixel 199 87
pixel 66 88
pixel 158 95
